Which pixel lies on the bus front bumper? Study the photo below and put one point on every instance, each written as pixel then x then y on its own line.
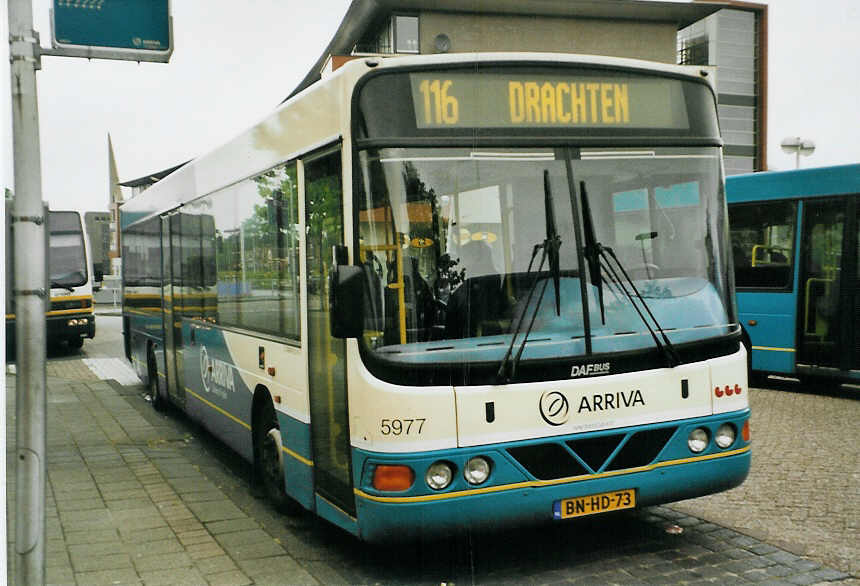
pixel 381 520
pixel 66 327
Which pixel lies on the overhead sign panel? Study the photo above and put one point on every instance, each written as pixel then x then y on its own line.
pixel 507 100
pixel 136 30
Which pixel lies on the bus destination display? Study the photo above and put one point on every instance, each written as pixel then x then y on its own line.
pixel 494 100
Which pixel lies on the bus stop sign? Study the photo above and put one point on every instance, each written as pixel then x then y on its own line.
pixel 136 30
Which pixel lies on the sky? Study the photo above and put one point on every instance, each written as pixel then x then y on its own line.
pixel 231 67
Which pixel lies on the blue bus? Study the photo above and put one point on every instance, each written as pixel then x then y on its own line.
pixel 450 291
pixel 796 250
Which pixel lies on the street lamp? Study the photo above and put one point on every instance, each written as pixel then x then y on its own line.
pixel 798 146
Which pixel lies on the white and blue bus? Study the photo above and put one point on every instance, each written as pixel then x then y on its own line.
pixel 452 291
pixel 69 316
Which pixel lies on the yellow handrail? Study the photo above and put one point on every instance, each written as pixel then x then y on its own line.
pixel 399 285
pixel 771 249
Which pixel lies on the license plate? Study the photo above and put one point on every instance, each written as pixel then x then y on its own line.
pixel 593 504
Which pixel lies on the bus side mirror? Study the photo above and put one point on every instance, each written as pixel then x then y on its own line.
pixel 346 301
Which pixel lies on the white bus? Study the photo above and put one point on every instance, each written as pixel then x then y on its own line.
pixel 455 291
pixel 69 317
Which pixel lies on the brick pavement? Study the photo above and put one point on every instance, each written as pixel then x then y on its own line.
pixel 134 498
pixel 803 491
pixel 123 507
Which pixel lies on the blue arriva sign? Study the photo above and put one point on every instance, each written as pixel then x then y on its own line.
pixel 133 25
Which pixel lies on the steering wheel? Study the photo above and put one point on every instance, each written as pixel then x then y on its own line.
pixel 644 271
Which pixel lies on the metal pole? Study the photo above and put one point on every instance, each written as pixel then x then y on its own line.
pixel 30 293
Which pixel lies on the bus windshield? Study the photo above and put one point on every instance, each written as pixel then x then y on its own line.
pixel 452 244
pixel 67 259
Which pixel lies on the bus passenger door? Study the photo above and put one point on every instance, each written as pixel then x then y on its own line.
pixel 852 275
pixel 171 302
pixel 326 355
pixel 853 289
pixel 829 311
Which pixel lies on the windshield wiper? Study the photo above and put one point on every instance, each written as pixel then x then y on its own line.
pixel 592 250
pixel 550 247
pixel 502 372
pixel 594 253
pixel 666 346
pixel 58 285
pixel 552 242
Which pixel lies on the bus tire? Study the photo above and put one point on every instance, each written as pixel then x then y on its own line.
pixel 76 343
pixel 155 397
pixel 270 457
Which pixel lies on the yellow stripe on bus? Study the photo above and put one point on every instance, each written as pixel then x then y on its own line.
pixel 287 451
pixel 146 313
pixel 774 349
pixel 541 483
pixel 55 312
pixel 298 457
pixel 217 408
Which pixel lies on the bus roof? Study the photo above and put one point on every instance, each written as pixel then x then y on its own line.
pixel 770 185
pixel 296 127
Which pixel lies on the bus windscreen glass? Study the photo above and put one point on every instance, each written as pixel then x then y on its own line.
pixel 452 241
pixel 67 265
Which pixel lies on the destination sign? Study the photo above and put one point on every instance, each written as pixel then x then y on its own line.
pixel 499 100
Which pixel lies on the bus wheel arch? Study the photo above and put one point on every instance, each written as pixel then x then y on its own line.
pixel 755 378
pixel 269 466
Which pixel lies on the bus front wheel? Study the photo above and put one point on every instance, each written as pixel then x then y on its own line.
pixel 270 457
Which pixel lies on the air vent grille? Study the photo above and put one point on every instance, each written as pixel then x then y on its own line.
pixel 553 460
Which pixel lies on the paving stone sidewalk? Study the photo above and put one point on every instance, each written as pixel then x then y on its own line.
pixel 803 492
pixel 124 507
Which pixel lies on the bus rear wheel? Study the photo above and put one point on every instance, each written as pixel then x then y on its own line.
pixel 158 402
pixel 270 458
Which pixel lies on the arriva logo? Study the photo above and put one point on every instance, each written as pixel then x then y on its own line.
pixel 554 408
pixel 590 369
pixel 217 375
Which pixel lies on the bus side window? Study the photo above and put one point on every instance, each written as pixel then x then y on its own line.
pixel 763 243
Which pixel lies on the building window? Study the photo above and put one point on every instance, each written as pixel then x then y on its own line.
pixel 399 34
pixel 406 34
pixel 693 51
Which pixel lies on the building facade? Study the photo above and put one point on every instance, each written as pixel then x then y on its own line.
pixel 734 40
pixel 640 29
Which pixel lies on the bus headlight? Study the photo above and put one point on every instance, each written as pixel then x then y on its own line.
pixel 477 470
pixel 725 436
pixel 439 475
pixel 697 441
